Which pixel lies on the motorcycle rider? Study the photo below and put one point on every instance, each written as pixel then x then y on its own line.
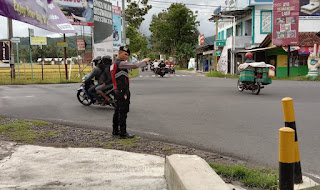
pixel 249 58
pixel 106 76
pixel 96 73
pixel 120 78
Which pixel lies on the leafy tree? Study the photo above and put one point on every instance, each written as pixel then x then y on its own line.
pixel 135 14
pixel 174 32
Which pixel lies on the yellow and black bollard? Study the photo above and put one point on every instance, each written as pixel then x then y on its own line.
pixel 289 120
pixel 286 158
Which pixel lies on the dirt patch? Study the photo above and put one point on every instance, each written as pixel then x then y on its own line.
pixel 56 135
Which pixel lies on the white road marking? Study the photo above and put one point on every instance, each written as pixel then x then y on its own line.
pixel 141 76
pixel 313 175
pixel 151 133
pixel 29 96
pixel 6 97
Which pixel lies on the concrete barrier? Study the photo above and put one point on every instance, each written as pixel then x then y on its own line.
pixel 190 172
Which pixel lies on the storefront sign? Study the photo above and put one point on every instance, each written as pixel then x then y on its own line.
pixel 5 52
pixel 286 22
pixel 307 50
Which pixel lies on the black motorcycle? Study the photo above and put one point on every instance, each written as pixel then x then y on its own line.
pixel 161 71
pixel 84 98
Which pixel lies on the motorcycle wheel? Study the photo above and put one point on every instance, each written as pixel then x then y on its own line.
pixel 256 89
pixel 240 87
pixel 116 37
pixel 83 98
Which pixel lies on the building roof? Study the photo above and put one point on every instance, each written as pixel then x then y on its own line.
pixel 208 41
pixel 232 13
pixel 305 39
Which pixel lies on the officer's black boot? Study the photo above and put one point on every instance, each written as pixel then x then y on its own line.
pixel 115 130
pixel 124 134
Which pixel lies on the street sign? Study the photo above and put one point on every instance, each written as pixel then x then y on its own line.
pixel 218 53
pixel 62 44
pixel 5 51
pixel 31 32
pixel 220 43
pixel 15 40
pixel 128 41
pixel 38 40
pixel 81 45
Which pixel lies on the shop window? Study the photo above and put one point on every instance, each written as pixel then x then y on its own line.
pixel 303 59
pixel 266 21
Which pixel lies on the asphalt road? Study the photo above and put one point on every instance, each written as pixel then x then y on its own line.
pixel 190 109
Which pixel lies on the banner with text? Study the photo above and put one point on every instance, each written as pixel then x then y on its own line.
pixel 41 13
pixel 285 22
pixel 102 33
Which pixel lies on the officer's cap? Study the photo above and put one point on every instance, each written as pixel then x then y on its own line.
pixel 125 49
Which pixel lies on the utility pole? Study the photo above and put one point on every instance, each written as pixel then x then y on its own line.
pixel 289 55
pixel 65 56
pixel 123 23
pixel 216 17
pixel 10 35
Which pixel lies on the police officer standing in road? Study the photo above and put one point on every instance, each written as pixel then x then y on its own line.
pixel 120 78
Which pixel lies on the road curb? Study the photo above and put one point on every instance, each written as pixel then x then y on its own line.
pixel 190 172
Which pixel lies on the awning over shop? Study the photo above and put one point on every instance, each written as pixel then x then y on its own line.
pixel 254 50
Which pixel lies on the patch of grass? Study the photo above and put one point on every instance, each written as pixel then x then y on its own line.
pixel 39 122
pixel 134 73
pixel 220 75
pixel 128 142
pixel 166 149
pixel 1 119
pixel 36 81
pixel 21 131
pixel 297 78
pixel 109 145
pixel 261 178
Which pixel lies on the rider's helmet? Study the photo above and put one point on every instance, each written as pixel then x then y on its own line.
pixel 248 55
pixel 155 60
pixel 107 60
pixel 97 61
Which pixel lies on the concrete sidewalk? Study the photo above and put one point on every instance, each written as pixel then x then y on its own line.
pixel 37 167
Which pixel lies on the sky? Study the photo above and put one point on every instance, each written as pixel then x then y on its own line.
pixel 205 9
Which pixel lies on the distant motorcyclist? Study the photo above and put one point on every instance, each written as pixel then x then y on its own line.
pixel 106 76
pixel 249 58
pixel 162 64
pixel 96 73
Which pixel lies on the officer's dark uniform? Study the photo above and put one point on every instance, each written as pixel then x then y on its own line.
pixel 120 79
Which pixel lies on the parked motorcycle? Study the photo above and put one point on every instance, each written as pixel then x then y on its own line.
pixel 84 98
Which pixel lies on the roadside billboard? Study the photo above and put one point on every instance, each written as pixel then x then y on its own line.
pixel 81 45
pixel 41 13
pixel 38 40
pixel 78 12
pixel 116 28
pixel 310 9
pixel 201 39
pixel 102 34
pixel 5 52
pixel 285 22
